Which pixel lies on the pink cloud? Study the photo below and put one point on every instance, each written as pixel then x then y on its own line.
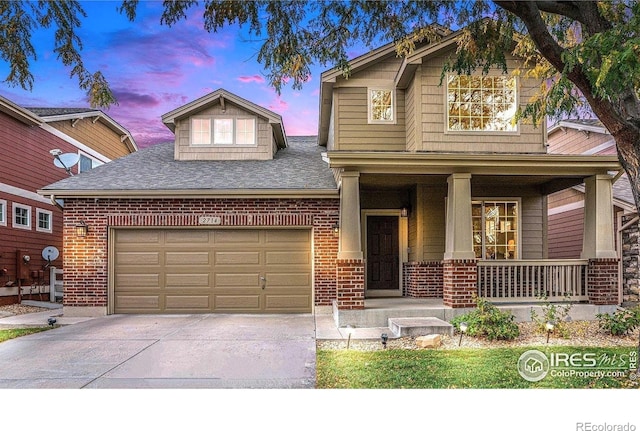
pixel 253 78
pixel 278 105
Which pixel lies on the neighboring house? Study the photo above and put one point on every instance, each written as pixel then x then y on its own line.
pixel 439 194
pixel 566 208
pixel 30 222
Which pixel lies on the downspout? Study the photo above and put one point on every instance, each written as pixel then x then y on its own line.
pixel 55 203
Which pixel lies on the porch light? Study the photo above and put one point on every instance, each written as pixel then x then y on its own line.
pixel 384 337
pixel 336 229
pixel 404 212
pixel 350 329
pixel 82 229
pixel 463 330
pixel 549 327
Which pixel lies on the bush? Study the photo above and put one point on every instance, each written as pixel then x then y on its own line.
pixel 621 322
pixel 489 321
pixel 552 312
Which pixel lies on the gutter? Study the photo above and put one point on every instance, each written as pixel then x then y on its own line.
pixel 54 202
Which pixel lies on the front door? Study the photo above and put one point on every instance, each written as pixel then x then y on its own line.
pixel 383 259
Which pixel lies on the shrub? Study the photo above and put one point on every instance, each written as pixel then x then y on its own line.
pixel 553 312
pixel 621 322
pixel 489 321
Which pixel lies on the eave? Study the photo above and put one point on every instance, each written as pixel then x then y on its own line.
pixel 195 194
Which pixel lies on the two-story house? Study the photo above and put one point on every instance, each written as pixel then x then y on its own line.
pixel 29 222
pixel 415 188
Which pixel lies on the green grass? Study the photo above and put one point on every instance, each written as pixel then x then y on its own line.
pixel 8 334
pixel 464 368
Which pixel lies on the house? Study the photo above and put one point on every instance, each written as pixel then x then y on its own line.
pixel 412 189
pixel 566 208
pixel 30 222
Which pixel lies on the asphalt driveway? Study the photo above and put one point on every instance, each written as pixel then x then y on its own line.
pixel 167 351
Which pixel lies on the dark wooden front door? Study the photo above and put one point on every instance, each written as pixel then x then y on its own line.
pixel 382 253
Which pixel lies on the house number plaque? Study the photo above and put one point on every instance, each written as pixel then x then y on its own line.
pixel 206 220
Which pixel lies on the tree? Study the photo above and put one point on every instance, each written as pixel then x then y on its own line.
pixel 587 54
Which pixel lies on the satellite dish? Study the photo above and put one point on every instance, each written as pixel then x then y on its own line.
pixel 50 253
pixel 66 160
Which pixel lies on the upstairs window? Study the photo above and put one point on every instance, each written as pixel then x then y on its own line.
pixel 44 220
pixel 87 163
pixel 381 106
pixel 481 103
pixel 495 229
pixel 3 212
pixel 21 216
pixel 223 131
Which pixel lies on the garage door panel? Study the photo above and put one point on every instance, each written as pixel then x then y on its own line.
pixel 187 258
pixel 237 280
pixel 187 303
pixel 288 280
pixel 137 281
pixel 187 237
pixel 138 258
pixel 293 236
pixel 146 302
pixel 187 280
pixel 237 258
pixel 287 257
pixel 142 236
pixel 222 237
pixel 237 302
pixel 285 303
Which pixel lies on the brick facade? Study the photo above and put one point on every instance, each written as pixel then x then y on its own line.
pixel 350 288
pixel 423 279
pixel 459 283
pixel 86 258
pixel 602 281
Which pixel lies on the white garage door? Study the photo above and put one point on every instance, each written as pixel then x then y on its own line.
pixel 205 270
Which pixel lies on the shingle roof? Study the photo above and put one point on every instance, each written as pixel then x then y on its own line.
pixel 50 112
pixel 298 167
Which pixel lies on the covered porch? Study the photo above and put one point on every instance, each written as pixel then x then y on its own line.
pixel 448 227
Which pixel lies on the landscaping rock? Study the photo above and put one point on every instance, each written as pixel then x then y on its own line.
pixel 429 341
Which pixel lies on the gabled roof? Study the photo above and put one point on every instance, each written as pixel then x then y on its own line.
pixel 222 96
pixel 297 170
pixel 21 114
pixel 50 115
pixel 583 125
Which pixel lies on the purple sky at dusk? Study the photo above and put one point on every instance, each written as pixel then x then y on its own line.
pixel 153 69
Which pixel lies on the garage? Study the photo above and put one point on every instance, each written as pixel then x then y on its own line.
pixel 211 270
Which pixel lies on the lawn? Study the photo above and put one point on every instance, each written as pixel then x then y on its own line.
pixel 465 368
pixel 7 334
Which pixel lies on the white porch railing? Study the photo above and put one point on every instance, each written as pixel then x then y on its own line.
pixel 528 280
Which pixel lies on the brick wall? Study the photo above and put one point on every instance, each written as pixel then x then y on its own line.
pixel 86 258
pixel 602 281
pixel 423 279
pixel 459 283
pixel 350 287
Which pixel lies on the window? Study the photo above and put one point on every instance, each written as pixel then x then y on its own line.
pixel 200 131
pixel 381 106
pixel 3 212
pixel 481 103
pixel 87 163
pixel 225 131
pixel 21 216
pixel 495 229
pixel 245 131
pixel 44 218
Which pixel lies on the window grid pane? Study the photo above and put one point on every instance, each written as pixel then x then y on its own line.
pixel 201 133
pixel 245 131
pixel 3 212
pixel 495 230
pixel 44 221
pixel 381 105
pixel 21 216
pixel 481 103
pixel 223 131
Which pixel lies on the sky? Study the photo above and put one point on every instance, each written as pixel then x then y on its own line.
pixel 153 69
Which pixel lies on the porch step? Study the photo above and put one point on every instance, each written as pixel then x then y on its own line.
pixel 418 326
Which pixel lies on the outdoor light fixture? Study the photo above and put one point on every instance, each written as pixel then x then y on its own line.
pixel 404 212
pixel 384 337
pixel 350 330
pixel 549 326
pixel 336 229
pixel 82 229
pixel 463 330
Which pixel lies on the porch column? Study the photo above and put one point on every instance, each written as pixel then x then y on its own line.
pixel 599 243
pixel 598 219
pixel 459 233
pixel 459 267
pixel 350 262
